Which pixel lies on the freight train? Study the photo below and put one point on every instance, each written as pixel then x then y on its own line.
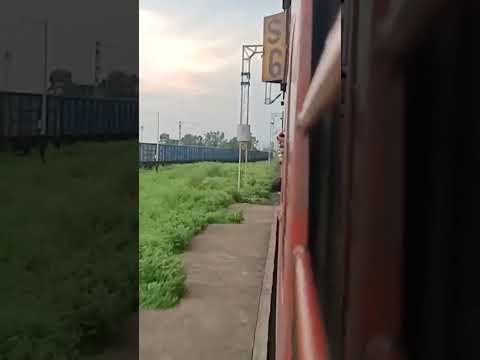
pixel 377 229
pixel 67 118
pixel 170 154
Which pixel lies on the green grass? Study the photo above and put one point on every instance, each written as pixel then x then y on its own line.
pixel 68 245
pixel 69 241
pixel 178 202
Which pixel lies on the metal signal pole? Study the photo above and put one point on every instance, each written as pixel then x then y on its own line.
pixel 98 63
pixel 270 149
pixel 158 135
pixel 179 132
pixel 248 52
pixel 239 164
pixel 246 163
pixel 43 124
pixel 7 57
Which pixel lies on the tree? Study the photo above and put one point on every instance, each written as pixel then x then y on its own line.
pixel 214 139
pixel 231 144
pixel 195 140
pixel 253 143
pixel 199 140
pixel 164 138
pixel 60 76
pixel 120 84
pixel 61 82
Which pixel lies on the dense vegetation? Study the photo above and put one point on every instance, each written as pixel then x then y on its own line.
pixel 69 241
pixel 210 138
pixel 178 202
pixel 68 249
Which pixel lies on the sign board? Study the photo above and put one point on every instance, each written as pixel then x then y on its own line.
pixel 274 48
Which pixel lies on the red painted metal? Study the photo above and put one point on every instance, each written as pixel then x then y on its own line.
pixel 371 215
pixel 311 340
pixel 299 330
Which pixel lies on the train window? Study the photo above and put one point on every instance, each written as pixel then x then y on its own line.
pixel 324 192
pixel 345 32
pixel 324 14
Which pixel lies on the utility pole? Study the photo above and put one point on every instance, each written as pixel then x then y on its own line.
pixel 179 132
pixel 97 63
pixel 7 56
pixel 158 136
pixel 270 150
pixel 43 124
pixel 248 52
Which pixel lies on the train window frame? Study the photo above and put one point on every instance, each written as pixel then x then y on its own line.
pixel 323 192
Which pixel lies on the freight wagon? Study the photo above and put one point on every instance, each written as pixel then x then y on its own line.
pixel 169 154
pixel 68 118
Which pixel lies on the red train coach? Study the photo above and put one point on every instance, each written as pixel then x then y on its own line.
pixel 377 225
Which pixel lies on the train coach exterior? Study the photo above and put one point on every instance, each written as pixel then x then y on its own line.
pixel 377 235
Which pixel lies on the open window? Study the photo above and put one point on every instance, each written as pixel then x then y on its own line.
pixel 325 153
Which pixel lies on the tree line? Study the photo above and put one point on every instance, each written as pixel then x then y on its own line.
pixel 211 139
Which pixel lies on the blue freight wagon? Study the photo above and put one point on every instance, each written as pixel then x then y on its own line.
pixel 173 154
pixel 67 117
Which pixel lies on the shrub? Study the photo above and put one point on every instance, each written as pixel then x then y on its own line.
pixel 178 202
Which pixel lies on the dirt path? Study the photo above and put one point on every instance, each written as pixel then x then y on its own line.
pixel 217 318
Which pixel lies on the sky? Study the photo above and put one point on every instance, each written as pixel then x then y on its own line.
pixel 187 54
pixel 190 64
pixel 73 29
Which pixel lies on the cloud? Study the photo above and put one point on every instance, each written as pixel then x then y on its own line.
pixel 171 57
pixel 190 63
